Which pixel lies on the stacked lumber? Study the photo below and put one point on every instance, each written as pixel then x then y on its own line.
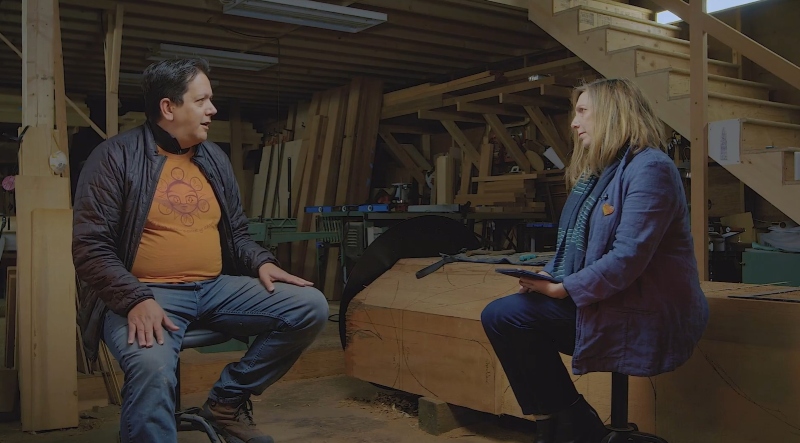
pixel 334 161
pixel 504 193
pixel 428 95
pixel 358 148
pixel 537 97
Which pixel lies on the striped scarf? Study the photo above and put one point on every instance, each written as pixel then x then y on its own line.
pixel 573 228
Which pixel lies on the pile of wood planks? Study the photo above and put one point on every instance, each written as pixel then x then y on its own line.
pixel 505 193
pixel 334 161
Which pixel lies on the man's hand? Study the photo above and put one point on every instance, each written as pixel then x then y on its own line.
pixel 552 290
pixel 268 273
pixel 145 321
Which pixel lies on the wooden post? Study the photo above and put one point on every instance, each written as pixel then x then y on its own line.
pixel 237 150
pixel 62 134
pixel 699 133
pixel 45 278
pixel 38 82
pixel 113 52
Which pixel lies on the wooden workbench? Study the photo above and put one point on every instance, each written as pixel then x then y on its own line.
pixel 424 337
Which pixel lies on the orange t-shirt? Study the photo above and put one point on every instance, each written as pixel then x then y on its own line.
pixel 181 240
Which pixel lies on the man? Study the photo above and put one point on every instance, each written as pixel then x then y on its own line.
pixel 160 242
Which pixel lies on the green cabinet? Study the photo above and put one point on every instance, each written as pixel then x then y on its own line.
pixel 765 267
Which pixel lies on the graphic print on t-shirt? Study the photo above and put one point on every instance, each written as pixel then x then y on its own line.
pixel 186 200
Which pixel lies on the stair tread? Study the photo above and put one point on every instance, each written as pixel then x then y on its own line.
pixel 627 6
pixel 753 101
pixel 679 55
pixel 770 123
pixel 771 150
pixel 738 81
pixel 679 41
pixel 622 16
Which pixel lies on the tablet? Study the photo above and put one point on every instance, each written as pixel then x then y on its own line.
pixel 522 273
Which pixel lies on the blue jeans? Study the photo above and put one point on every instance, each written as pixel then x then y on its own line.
pixel 284 322
pixel 527 332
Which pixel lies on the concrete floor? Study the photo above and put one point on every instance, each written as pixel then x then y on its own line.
pixel 335 409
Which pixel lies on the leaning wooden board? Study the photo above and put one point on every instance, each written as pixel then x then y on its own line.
pixel 424 336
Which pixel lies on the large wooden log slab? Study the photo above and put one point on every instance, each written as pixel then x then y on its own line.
pixel 424 336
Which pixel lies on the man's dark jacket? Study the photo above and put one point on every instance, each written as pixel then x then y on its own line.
pixel 114 195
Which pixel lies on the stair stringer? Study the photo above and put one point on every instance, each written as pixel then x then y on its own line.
pixel 591 48
pixel 764 174
pixel 758 171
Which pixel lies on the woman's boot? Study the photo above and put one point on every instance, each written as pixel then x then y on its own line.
pixel 546 430
pixel 580 423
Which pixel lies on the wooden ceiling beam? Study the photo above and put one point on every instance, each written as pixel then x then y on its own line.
pixel 505 138
pixel 549 131
pixel 509 28
pixel 466 145
pixel 533 100
pixel 555 67
pixel 147 29
pixel 496 91
pixel 479 108
pixel 467 39
pixel 450 41
pixel 450 115
pixel 400 154
pixel 78 71
pixel 556 91
pixel 403 129
pixel 288 46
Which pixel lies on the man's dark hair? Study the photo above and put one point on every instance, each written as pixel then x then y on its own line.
pixel 169 79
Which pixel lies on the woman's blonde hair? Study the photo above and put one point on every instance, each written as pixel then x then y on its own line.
pixel 622 116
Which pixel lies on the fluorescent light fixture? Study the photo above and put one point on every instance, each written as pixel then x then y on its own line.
pixel 135 79
pixel 215 57
pixel 711 6
pixel 306 13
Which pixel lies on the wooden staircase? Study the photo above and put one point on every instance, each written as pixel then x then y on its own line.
pixel 619 40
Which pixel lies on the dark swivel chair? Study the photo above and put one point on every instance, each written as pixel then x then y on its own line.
pixel 189 420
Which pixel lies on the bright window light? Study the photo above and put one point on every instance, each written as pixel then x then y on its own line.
pixel 711 6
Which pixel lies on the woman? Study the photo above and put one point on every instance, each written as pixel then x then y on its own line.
pixel 629 300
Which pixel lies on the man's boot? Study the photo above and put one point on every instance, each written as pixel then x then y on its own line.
pixel 580 423
pixel 234 422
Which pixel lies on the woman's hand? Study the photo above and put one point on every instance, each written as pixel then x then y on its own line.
pixel 552 290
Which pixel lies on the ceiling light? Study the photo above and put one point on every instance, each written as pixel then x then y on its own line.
pixel 306 13
pixel 135 79
pixel 215 57
pixel 667 17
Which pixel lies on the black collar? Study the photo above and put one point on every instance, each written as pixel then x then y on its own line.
pixel 166 141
